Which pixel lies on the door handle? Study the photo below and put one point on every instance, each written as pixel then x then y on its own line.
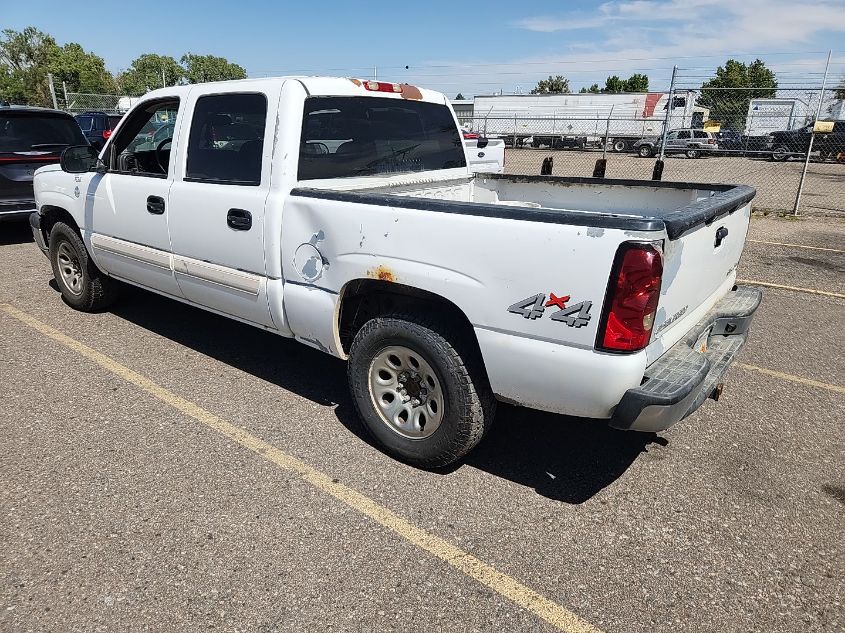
pixel 239 219
pixel 155 205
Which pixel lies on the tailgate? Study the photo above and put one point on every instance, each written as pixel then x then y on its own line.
pixel 699 268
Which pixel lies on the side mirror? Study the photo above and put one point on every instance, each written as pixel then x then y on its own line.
pixel 78 159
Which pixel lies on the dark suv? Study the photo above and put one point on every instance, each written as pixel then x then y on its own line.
pixel 97 126
pixel 794 143
pixel 30 138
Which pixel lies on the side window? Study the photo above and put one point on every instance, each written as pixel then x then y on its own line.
pixel 672 136
pixel 138 150
pixel 227 139
pixel 700 134
pixel 684 134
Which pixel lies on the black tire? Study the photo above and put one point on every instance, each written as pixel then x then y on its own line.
pixel 780 153
pixel 645 151
pixel 693 153
pixel 619 145
pixel 468 402
pixel 95 291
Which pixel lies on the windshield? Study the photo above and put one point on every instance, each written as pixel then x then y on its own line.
pixel 26 131
pixel 364 136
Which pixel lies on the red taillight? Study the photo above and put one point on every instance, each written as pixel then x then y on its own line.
pixel 470 135
pixel 382 86
pixel 631 300
pixel 106 133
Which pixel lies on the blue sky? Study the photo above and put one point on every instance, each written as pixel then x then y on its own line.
pixel 475 48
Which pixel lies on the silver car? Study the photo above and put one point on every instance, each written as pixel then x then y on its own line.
pixel 692 143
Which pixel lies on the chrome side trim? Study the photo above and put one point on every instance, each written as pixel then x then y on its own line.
pixel 237 279
pixel 145 254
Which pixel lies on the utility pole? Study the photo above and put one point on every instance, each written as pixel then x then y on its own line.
pixel 163 82
pixel 52 91
pixel 812 137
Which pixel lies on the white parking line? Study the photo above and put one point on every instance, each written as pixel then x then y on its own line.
pixel 811 291
pixel 812 248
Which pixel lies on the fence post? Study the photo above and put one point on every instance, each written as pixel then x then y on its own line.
pixel 52 91
pixel 657 174
pixel 64 90
pixel 812 138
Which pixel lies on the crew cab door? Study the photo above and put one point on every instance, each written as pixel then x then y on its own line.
pixel 217 201
pixel 127 206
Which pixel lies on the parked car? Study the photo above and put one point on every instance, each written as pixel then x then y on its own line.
pixel 691 143
pixel 795 143
pixel 730 142
pixel 444 290
pixel 29 139
pixel 485 155
pixel 97 126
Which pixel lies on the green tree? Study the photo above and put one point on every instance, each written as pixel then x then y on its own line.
pixel 552 85
pixel 614 84
pixel 592 89
pixel 80 71
pixel 459 97
pixel 734 86
pixel 24 63
pixel 203 68
pixel 636 83
pixel 148 72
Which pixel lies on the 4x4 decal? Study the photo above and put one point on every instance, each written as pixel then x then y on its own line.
pixel 533 307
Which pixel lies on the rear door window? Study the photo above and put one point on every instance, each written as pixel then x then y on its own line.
pixel 23 131
pixel 365 136
pixel 226 143
pixel 684 134
pixel 700 134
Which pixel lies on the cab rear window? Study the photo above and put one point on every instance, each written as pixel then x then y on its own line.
pixel 365 136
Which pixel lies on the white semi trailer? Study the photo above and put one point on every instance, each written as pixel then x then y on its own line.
pixel 584 119
pixel 775 115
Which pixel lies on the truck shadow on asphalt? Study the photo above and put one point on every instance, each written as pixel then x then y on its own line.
pixel 562 458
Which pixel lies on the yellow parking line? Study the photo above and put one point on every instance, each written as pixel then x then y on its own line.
pixel 812 248
pixel 552 612
pixel 811 291
pixel 791 378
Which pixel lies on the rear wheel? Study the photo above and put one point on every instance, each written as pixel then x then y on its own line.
pixel 83 285
pixel 421 395
pixel 619 146
pixel 693 153
pixel 780 153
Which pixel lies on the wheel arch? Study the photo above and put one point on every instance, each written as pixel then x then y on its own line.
pixel 51 214
pixel 363 299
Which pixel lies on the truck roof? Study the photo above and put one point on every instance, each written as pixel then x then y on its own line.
pixel 315 86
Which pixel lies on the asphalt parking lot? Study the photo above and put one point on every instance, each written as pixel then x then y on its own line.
pixel 776 183
pixel 165 469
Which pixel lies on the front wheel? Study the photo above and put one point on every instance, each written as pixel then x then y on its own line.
pixel 645 151
pixel 420 394
pixel 780 153
pixel 83 285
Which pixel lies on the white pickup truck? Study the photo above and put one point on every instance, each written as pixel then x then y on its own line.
pixel 342 213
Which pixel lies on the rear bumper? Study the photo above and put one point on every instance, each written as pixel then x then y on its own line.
pixel 681 380
pixel 37 233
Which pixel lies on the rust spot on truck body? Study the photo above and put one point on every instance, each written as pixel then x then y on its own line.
pixel 382 273
pixel 411 92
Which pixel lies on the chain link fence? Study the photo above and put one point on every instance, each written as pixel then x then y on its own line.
pixel 740 136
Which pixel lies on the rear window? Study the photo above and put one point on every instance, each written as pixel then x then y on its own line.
pixel 365 136
pixel 86 123
pixel 113 121
pixel 25 131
